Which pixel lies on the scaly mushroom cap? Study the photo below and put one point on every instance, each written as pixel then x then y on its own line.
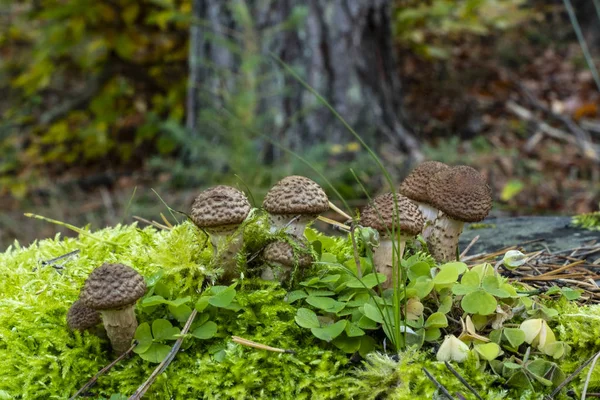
pixel 283 253
pixel 80 317
pixel 112 286
pixel 295 195
pixel 415 184
pixel 461 193
pixel 379 215
pixel 220 205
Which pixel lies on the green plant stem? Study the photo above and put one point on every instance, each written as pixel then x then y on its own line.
pixel 80 231
pixel 582 43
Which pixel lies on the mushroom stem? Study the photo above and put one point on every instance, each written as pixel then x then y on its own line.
pixel 443 241
pixel 429 215
pixel 383 259
pixel 120 327
pixel 226 244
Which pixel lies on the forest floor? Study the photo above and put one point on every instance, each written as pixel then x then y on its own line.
pixel 523 111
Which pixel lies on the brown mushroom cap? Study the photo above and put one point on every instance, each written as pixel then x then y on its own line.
pixel 283 253
pixel 80 317
pixel 415 184
pixel 296 195
pixel 112 286
pixel 462 193
pixel 220 205
pixel 379 214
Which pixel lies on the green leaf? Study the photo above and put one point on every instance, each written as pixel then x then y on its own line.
pixel 367 345
pixel 156 353
pixel 520 380
pixel 436 320
pixel 367 323
pixel 319 292
pixel 331 278
pixel 307 318
pixel 181 313
pixel 205 331
pixel 445 304
pixel 571 294
pixel 330 332
pixel 223 298
pixel 479 302
pixel 179 301
pixel 162 290
pixel 369 281
pixel 373 313
pixel 515 336
pixel 326 304
pixel 422 287
pixel 353 330
pixel 512 188
pixel 153 301
pixel 202 303
pixel 347 344
pixel 296 295
pixel 491 284
pixel 144 337
pixel 447 275
pixel 488 351
pixel 419 269
pixel 164 330
pixel 461 267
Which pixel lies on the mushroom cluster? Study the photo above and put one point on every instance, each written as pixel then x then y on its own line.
pixel 291 204
pixel 448 197
pixel 397 219
pixel 109 295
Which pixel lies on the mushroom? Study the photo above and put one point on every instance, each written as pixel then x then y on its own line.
pixel 282 259
pixel 113 289
pixel 294 202
pixel 220 210
pixel 415 186
pixel 81 318
pixel 462 195
pixel 381 216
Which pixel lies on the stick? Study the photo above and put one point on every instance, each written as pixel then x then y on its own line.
pixel 334 223
pixel 256 345
pixel 572 376
pixel 71 227
pixel 462 380
pixel 589 377
pixel 466 250
pixel 441 387
pixel 104 370
pixel 339 211
pixel 165 363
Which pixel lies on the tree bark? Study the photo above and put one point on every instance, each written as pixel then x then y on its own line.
pixel 342 48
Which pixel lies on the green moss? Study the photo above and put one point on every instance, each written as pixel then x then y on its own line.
pixel 589 221
pixel 42 359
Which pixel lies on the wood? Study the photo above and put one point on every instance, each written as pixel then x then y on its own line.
pixel 344 50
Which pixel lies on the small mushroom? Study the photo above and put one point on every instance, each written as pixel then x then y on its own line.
pixel 462 195
pixel 113 290
pixel 415 186
pixel 294 202
pixel 282 259
pixel 381 216
pixel 81 318
pixel 220 210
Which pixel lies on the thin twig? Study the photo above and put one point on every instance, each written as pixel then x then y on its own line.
pixel 441 387
pixel 572 376
pixel 466 250
pixel 589 376
pixel 355 250
pixel 153 223
pixel 104 370
pixel 250 343
pixel 339 211
pixel 462 380
pixel 168 359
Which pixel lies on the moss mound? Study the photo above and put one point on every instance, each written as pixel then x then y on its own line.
pixel 42 359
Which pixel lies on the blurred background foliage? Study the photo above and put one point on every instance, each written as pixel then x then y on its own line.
pixel 93 104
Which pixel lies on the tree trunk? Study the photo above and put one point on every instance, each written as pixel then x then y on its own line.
pixel 342 48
